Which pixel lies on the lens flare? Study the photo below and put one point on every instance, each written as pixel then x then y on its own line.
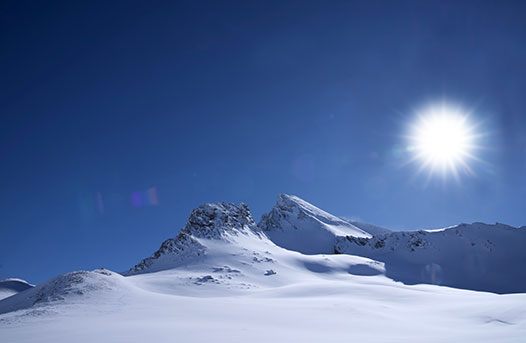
pixel 145 198
pixel 442 138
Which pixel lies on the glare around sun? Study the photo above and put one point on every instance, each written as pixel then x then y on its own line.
pixel 442 139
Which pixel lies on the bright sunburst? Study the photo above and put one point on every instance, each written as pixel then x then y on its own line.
pixel 443 139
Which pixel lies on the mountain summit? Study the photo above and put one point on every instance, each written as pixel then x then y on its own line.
pixel 219 221
pixel 295 224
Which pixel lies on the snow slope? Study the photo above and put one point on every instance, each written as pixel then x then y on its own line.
pixel 474 256
pixel 70 286
pixel 296 225
pixel 324 307
pixel 12 286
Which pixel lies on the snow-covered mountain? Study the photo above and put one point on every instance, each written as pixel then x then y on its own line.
pixel 209 222
pixel 477 256
pixel 296 225
pixel 474 256
pixel 221 245
pixel 12 286
pixel 300 274
pixel 220 249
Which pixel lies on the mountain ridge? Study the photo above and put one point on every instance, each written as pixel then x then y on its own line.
pixel 421 256
pixel 477 256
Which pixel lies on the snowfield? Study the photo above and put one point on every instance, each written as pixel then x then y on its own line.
pixel 360 308
pixel 225 279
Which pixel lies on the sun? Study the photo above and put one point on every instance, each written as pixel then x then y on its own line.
pixel 443 139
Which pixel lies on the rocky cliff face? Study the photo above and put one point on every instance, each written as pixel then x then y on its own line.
pixel 215 221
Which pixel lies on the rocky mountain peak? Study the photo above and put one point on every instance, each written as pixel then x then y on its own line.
pixel 213 220
pixel 208 221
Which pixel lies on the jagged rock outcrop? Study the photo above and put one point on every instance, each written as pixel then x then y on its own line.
pixel 208 221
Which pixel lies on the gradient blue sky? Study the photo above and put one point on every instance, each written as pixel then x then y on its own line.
pixel 240 101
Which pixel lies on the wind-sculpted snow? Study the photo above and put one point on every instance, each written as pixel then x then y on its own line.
pixel 477 256
pixel 12 286
pixel 207 222
pixel 297 225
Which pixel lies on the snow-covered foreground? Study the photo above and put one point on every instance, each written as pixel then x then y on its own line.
pixel 319 309
pixel 224 279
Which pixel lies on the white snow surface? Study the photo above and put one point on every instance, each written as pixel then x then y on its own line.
pixel 474 256
pixel 12 286
pixel 370 229
pixel 223 280
pixel 296 225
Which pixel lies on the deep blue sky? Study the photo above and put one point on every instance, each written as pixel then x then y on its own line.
pixel 240 101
